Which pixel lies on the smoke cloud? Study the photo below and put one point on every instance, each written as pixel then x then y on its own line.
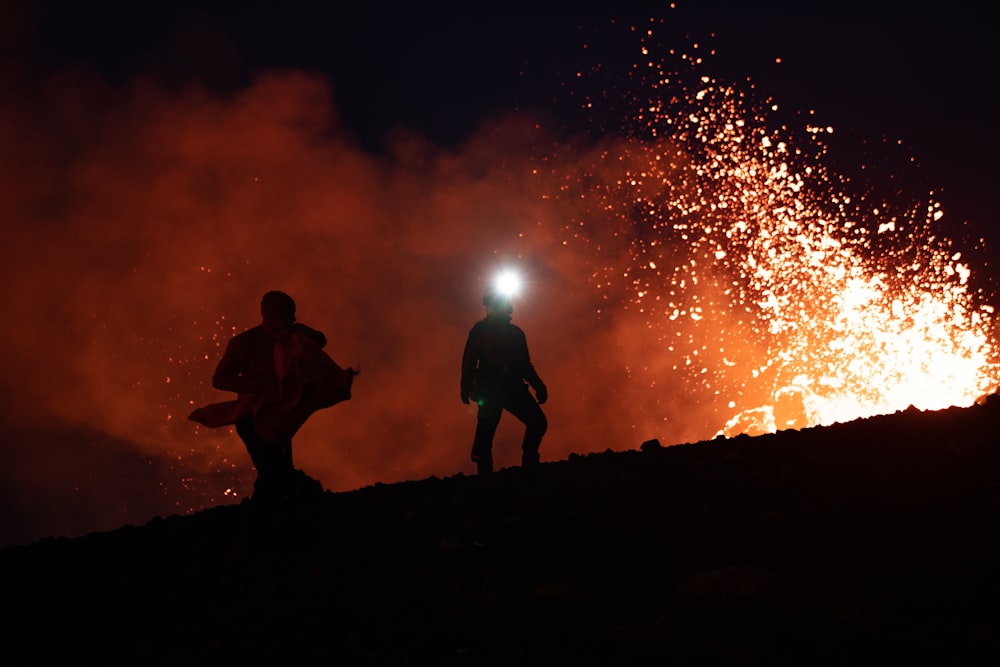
pixel 144 220
pixel 144 223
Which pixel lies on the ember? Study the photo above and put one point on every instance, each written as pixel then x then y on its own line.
pixel 764 278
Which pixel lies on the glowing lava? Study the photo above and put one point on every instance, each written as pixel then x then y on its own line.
pixel 762 278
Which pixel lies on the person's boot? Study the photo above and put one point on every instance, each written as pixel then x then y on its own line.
pixel 268 494
pixel 305 487
pixel 529 460
pixel 483 461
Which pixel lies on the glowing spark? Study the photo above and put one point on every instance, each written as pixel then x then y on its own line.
pixel 819 306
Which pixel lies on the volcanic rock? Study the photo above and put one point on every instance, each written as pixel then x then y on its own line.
pixel 866 542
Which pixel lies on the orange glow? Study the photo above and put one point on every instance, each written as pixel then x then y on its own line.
pixel 704 274
pixel 763 281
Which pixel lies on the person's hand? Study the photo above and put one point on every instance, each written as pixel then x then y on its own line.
pixel 541 394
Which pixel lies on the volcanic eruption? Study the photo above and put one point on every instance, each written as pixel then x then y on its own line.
pixel 694 266
pixel 785 294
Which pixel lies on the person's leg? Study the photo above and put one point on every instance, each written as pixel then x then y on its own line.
pixel 490 409
pixel 523 405
pixel 273 463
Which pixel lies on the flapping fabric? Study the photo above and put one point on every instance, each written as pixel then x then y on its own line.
pixel 307 375
pixel 308 380
pixel 215 415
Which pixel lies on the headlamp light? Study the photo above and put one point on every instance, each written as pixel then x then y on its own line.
pixel 508 284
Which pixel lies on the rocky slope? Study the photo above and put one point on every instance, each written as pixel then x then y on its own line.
pixel 857 543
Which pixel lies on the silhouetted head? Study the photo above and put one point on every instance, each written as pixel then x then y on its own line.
pixel 497 304
pixel 278 310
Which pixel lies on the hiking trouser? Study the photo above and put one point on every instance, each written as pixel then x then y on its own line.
pixel 518 401
pixel 273 462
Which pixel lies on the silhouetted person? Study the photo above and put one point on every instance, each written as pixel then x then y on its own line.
pixel 496 372
pixel 282 376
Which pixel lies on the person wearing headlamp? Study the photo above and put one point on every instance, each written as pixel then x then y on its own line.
pixel 496 374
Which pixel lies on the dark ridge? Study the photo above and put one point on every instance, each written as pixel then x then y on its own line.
pixel 869 542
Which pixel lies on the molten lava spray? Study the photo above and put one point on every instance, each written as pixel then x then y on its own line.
pixel 757 280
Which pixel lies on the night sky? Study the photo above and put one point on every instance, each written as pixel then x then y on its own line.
pixel 167 163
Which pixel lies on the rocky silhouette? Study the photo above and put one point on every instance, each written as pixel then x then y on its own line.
pixel 869 542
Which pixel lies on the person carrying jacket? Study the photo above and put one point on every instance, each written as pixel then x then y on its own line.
pixel 281 375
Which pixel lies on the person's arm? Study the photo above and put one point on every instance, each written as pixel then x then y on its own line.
pixel 530 374
pixel 470 357
pixel 314 334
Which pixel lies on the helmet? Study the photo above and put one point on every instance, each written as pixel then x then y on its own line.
pixel 490 295
pixel 495 298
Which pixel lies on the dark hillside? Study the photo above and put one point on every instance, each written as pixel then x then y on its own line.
pixel 868 542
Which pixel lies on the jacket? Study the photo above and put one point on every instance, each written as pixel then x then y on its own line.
pixel 496 352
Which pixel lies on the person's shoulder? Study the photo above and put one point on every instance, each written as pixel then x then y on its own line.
pixel 307 332
pixel 298 327
pixel 513 327
pixel 249 334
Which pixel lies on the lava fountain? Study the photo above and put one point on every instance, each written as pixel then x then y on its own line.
pixel 763 278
